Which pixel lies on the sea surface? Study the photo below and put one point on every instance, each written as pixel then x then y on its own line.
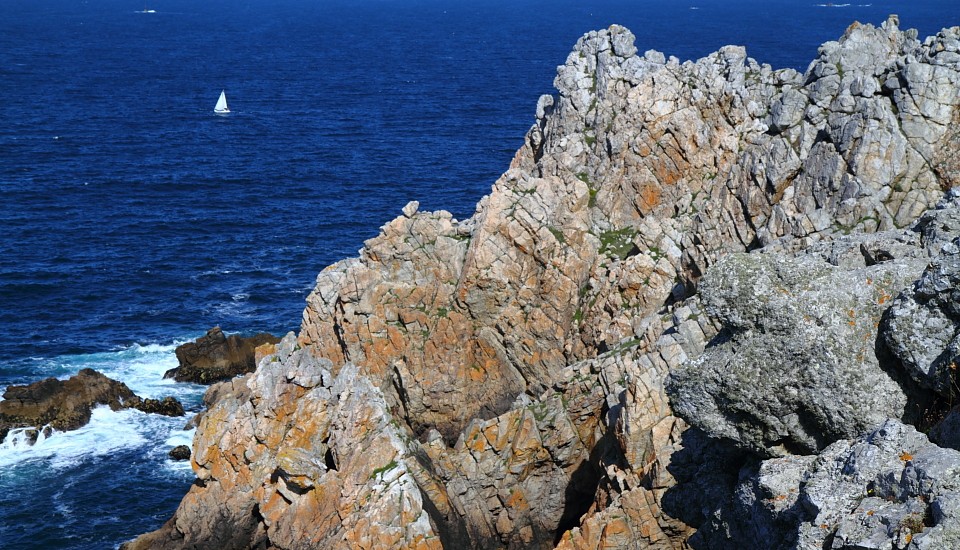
pixel 133 218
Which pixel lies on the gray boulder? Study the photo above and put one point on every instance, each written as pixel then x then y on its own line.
pixel 923 326
pixel 890 489
pixel 796 367
pixel 893 488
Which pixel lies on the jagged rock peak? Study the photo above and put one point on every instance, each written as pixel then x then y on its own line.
pixel 505 375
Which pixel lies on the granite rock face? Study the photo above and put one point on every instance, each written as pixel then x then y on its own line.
pixel 215 357
pixel 922 328
pixel 289 461
pixel 890 488
pixel 501 381
pixel 792 324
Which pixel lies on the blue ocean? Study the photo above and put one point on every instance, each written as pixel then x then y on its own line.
pixel 134 218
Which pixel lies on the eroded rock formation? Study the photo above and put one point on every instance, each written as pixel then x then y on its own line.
pixel 500 382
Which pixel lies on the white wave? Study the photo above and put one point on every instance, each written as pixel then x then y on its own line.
pixel 155 348
pixel 106 433
pixel 180 437
pixel 212 273
pixel 141 368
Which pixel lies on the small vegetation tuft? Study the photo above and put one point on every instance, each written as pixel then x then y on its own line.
pixel 618 243
pixel 382 469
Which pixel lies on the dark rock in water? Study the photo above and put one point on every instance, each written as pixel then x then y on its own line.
pixel 168 406
pixel 215 357
pixel 180 452
pixel 63 405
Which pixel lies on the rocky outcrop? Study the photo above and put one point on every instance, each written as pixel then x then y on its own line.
pixel 63 405
pixel 500 382
pixel 310 449
pixel 215 357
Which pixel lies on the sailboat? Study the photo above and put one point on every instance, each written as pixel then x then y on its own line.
pixel 221 107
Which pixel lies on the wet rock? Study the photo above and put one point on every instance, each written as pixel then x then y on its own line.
pixel 62 405
pixel 180 452
pixel 215 357
pixel 168 406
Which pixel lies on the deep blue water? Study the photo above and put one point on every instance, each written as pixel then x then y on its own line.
pixel 134 218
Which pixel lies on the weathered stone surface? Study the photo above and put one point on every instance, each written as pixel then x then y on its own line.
pixel 62 405
pixel 922 327
pixel 289 462
pixel 797 366
pixel 215 357
pixel 636 177
pixel 891 488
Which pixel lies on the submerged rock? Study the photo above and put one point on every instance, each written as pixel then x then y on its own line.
pixel 215 357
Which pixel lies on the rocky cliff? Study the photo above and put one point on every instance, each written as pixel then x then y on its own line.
pixel 713 244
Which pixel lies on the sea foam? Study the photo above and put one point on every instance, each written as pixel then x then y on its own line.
pixel 141 368
pixel 106 433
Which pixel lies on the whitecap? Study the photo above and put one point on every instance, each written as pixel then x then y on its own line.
pixel 106 433
pixel 212 273
pixel 180 437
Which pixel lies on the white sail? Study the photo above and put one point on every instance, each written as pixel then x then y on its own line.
pixel 222 104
